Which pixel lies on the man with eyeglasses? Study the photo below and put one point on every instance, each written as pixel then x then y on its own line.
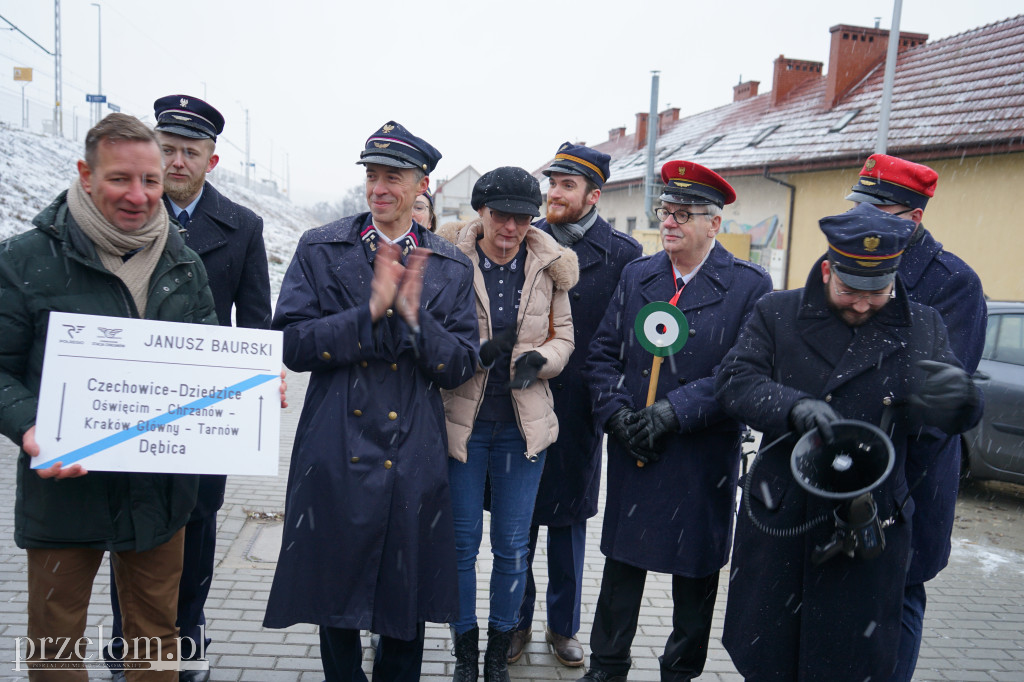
pixel 571 480
pixel 673 514
pixel 933 276
pixel 850 344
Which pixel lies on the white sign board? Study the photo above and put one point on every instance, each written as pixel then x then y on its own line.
pixel 123 394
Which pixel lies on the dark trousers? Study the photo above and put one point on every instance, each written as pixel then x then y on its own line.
pixel 912 628
pixel 196 577
pixel 341 652
pixel 566 547
pixel 618 613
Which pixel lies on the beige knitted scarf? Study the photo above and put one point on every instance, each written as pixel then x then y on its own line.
pixel 112 243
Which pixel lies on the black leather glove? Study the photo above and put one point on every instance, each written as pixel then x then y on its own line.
pixel 946 396
pixel 650 424
pixel 526 368
pixel 501 344
pixel 808 414
pixel 619 426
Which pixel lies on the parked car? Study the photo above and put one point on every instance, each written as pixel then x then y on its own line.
pixel 994 449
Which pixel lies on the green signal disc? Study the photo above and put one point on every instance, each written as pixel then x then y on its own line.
pixel 661 328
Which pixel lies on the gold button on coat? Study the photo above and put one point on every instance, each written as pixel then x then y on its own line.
pixel 394 367
pixel 440 367
pixel 387 464
pixel 887 401
pixel 389 312
pixel 355 460
pixel 362 363
pixel 358 413
pixel 325 355
pixel 392 416
pixel 828 398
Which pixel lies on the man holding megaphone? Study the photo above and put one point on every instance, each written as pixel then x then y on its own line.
pixel 850 345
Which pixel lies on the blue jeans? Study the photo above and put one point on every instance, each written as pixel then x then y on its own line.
pixel 496 453
pixel 914 601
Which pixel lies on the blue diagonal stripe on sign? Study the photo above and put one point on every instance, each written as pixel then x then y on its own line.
pixel 137 430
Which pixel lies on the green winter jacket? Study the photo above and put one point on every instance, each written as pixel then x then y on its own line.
pixel 55 267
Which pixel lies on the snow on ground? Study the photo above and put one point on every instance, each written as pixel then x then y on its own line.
pixel 35 168
pixel 991 559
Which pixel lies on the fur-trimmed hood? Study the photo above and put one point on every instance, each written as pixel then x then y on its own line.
pixel 564 266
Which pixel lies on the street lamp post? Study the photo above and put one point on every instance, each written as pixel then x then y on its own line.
pixel 99 57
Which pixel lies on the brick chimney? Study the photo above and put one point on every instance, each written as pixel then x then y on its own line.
pixel 790 73
pixel 616 134
pixel 667 118
pixel 641 130
pixel 854 52
pixel 745 90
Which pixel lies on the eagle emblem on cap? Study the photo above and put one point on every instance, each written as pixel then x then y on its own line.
pixel 381 145
pixel 388 128
pixel 682 171
pixel 183 102
pixel 871 243
pixel 869 165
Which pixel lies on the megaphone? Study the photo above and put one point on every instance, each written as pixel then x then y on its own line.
pixel 857 460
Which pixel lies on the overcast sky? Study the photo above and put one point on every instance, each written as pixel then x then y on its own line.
pixel 487 83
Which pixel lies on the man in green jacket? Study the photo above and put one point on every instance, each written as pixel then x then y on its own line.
pixel 103 247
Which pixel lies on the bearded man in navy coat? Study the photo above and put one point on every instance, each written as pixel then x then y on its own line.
pixel 850 344
pixel 229 239
pixel 572 474
pixel 674 515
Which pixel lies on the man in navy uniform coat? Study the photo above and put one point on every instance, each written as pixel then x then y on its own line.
pixel 229 240
pixel 675 514
pixel 572 474
pixel 938 278
pixel 381 312
pixel 850 344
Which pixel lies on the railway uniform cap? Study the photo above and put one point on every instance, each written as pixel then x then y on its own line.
pixel 687 182
pixel 575 159
pixel 889 180
pixel 393 145
pixel 188 117
pixel 865 245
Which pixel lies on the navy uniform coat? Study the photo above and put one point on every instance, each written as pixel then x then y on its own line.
pixel 369 540
pixel 229 239
pixel 572 472
pixel 941 280
pixel 786 619
pixel 674 515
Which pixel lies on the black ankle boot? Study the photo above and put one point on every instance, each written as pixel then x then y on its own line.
pixel 496 656
pixel 467 655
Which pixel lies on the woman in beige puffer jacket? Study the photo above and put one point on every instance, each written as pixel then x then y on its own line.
pixel 502 420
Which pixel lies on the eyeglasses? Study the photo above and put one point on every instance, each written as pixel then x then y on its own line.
pixel 681 217
pixel 854 296
pixel 500 217
pixel 418 206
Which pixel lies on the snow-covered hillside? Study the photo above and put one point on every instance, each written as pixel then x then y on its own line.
pixel 35 168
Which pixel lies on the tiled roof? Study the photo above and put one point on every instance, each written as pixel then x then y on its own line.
pixel 961 92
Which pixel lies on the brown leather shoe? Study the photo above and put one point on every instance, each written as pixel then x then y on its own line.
pixel 520 638
pixel 567 650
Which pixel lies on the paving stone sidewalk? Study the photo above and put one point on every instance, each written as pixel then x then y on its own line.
pixel 974 624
